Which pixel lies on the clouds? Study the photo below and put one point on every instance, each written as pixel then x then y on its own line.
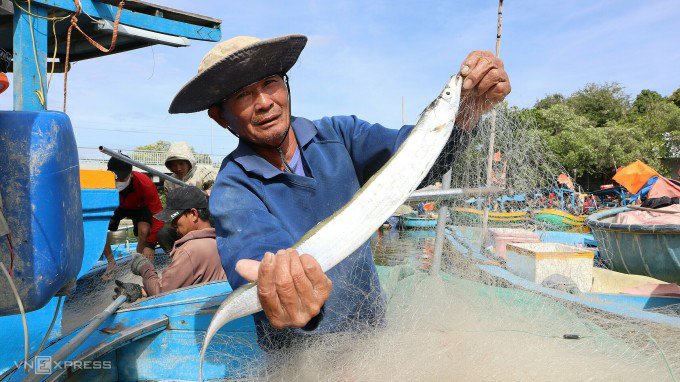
pixel 362 57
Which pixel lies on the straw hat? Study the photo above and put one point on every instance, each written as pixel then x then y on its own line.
pixel 233 64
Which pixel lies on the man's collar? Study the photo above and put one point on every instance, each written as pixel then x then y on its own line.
pixel 251 161
pixel 304 130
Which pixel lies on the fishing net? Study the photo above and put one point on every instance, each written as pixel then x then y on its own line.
pixel 466 323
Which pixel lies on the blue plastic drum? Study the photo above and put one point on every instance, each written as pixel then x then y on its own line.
pixel 40 189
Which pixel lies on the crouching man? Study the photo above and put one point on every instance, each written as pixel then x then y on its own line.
pixel 194 257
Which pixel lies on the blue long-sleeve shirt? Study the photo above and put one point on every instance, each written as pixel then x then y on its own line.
pixel 258 208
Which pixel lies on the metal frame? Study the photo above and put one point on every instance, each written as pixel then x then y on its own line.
pixel 31 35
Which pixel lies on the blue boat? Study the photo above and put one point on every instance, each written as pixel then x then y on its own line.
pixel 648 250
pixel 414 221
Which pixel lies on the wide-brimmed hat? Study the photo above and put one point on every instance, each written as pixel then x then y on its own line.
pixel 182 199
pixel 233 64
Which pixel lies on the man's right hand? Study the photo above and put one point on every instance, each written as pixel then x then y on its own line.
pixel 292 288
pixel 139 263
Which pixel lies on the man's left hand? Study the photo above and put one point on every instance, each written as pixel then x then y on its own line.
pixel 131 290
pixel 485 84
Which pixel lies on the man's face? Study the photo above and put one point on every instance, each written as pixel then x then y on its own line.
pixel 259 112
pixel 185 222
pixel 179 167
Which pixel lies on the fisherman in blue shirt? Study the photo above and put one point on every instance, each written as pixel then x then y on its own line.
pixel 289 173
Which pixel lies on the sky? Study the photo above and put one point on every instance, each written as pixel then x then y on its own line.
pixel 362 57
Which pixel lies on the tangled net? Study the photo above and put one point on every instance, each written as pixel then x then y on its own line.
pixel 465 324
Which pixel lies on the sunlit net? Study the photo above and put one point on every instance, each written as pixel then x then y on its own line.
pixel 465 324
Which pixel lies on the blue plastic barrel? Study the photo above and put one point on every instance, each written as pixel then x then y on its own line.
pixel 40 188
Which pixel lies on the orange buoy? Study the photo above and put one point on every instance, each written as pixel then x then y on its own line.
pixel 4 82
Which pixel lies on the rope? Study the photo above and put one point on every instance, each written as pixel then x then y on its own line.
pixel 74 24
pixel 49 330
pixel 11 253
pixel 54 55
pixel 23 313
pixel 38 16
pixel 40 93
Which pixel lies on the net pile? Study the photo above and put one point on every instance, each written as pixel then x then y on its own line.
pixel 465 324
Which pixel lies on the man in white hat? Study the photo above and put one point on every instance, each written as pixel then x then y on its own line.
pixel 289 173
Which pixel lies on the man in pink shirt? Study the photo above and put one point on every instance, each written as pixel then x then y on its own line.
pixel 194 257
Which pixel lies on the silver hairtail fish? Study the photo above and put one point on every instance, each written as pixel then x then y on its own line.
pixel 335 238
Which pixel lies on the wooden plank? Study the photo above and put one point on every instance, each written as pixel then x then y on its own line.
pixel 140 20
pixel 30 56
pixel 168 13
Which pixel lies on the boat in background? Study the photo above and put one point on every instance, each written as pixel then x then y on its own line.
pixel 560 220
pixel 648 250
pixel 474 216
pixel 415 221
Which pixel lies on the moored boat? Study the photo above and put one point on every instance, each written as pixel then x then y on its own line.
pixel 415 221
pixel 560 220
pixel 473 216
pixel 648 250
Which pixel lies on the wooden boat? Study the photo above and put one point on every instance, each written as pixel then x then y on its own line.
pixel 560 220
pixel 473 216
pixel 415 221
pixel 648 250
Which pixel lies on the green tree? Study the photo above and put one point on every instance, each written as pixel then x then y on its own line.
pixel 646 100
pixel 159 145
pixel 560 117
pixel 163 146
pixel 675 97
pixel 600 103
pixel 584 148
pixel 548 101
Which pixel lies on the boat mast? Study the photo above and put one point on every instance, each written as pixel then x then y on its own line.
pixel 492 134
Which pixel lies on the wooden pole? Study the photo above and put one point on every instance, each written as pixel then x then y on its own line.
pixel 492 135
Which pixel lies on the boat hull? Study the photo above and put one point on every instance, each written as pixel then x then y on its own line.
pixel 414 222
pixel 561 220
pixel 100 199
pixel 652 251
pixel 473 216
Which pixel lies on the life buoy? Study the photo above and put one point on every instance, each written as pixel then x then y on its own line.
pixel 4 82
